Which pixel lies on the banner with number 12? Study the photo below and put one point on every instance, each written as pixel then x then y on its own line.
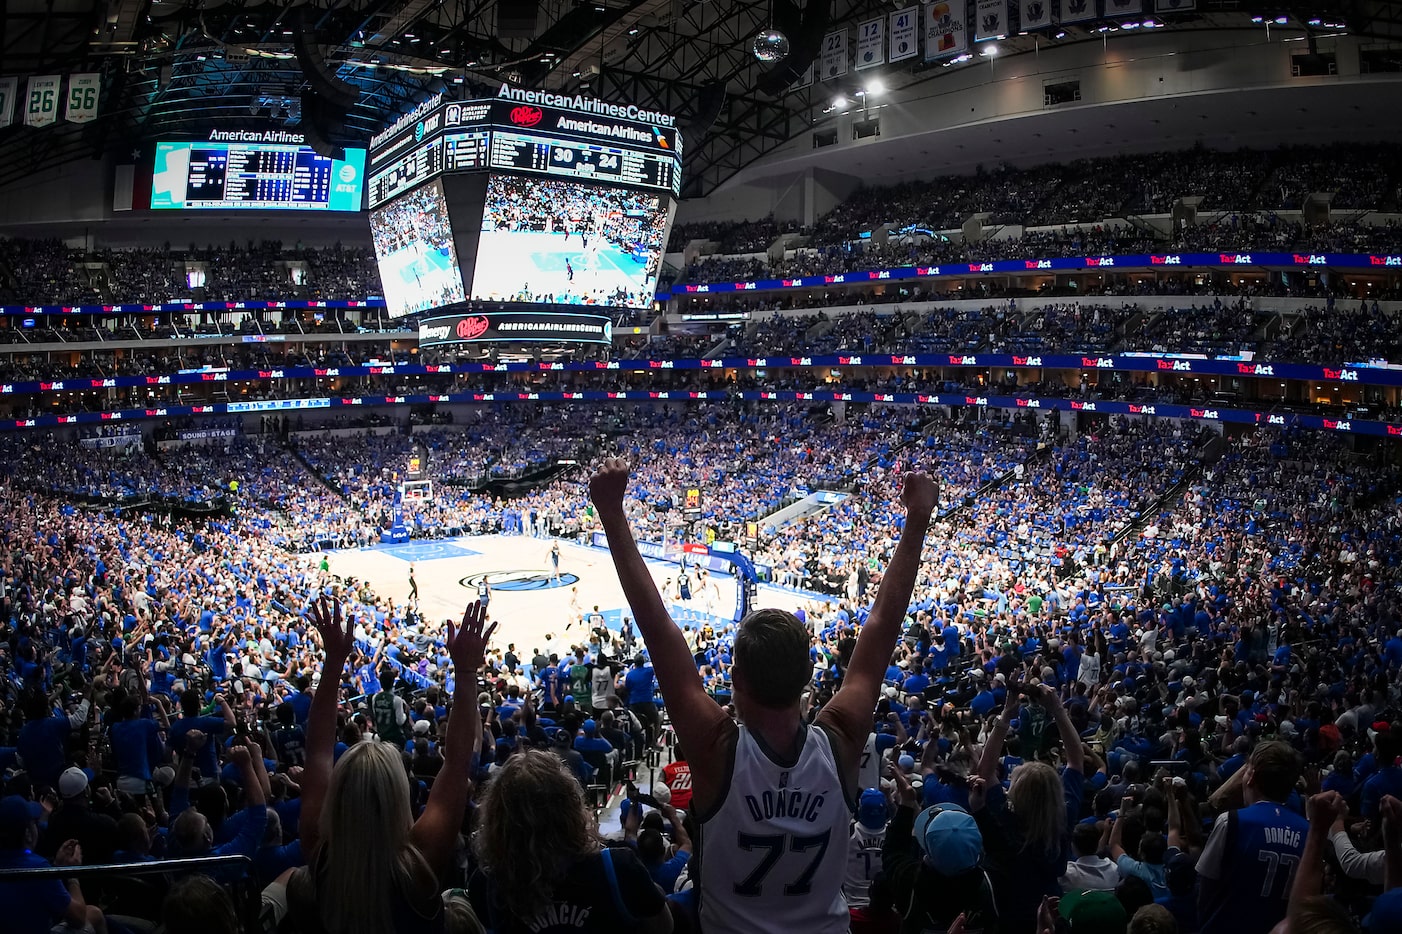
pixel 82 98
pixel 41 101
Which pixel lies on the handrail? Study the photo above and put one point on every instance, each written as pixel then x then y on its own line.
pixel 155 867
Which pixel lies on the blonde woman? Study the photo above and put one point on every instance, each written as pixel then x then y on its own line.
pixel 1026 833
pixel 543 865
pixel 371 868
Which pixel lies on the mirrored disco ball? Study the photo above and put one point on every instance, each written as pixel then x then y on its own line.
pixel 771 45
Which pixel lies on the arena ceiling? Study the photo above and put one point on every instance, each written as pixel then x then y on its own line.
pixel 178 68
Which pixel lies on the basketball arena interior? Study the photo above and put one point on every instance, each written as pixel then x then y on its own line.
pixel 448 425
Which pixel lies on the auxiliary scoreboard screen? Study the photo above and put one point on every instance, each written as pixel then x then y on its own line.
pixel 507 135
pixel 231 176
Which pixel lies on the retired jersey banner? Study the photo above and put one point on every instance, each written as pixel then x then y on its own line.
pixel 904 41
pixel 871 43
pixel 992 22
pixel 1035 14
pixel 1076 11
pixel 9 90
pixel 944 29
pixel 41 100
pixel 82 98
pixel 805 79
pixel 834 55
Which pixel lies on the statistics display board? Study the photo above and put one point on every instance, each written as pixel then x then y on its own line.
pixel 231 176
pixel 507 135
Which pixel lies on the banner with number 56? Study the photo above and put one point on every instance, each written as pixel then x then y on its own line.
pixel 9 89
pixel 41 101
pixel 82 98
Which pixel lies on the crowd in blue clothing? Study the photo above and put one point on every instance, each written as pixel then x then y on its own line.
pixel 159 672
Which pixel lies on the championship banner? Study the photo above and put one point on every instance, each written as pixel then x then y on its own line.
pixel 834 54
pixel 9 90
pixel 992 22
pixel 1077 11
pixel 904 43
pixel 944 29
pixel 1035 14
pixel 41 100
pixel 1175 6
pixel 82 98
pixel 871 43
pixel 504 326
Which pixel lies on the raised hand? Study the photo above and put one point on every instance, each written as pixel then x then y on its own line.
pixel 337 637
pixel 70 853
pixel 1325 808
pixel 607 486
pixel 468 643
pixel 919 494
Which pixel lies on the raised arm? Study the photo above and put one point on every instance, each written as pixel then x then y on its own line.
pixel 338 641
pixel 849 713
pixel 699 722
pixel 993 745
pixel 436 830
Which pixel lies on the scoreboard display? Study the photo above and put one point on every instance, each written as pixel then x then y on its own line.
pixel 509 136
pixel 517 152
pixel 255 175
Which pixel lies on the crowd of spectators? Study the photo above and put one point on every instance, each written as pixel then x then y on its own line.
pixel 1085 610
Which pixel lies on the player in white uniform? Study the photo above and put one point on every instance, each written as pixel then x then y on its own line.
pixel 773 797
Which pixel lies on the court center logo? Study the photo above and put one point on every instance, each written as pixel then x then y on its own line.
pixel 519 580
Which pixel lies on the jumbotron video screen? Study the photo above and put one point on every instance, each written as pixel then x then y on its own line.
pixel 413 237
pixel 561 242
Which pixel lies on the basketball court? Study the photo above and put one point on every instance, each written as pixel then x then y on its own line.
pixel 415 278
pixel 527 602
pixel 509 262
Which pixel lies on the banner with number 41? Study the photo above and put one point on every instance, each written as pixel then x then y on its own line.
pixel 82 98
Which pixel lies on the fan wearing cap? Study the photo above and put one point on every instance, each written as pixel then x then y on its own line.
pixel 74 819
pixel 39 904
pixel 931 863
pixel 864 847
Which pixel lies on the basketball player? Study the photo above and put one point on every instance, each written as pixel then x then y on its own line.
pixel 555 560
pixel 773 796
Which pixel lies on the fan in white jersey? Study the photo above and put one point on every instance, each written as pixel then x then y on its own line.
pixel 773 795
pixel 864 848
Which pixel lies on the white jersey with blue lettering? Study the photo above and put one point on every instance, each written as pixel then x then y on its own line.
pixel 863 863
pixel 869 765
pixel 775 849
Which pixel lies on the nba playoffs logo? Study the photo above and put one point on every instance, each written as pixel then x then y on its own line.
pixel 471 328
pixel 526 116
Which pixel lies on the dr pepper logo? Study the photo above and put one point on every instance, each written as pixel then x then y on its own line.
pixel 526 116
pixel 470 328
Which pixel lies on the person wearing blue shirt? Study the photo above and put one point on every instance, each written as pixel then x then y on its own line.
pixel 44 737
pixel 136 744
pixel 301 702
pixel 1388 778
pixel 984 701
pixel 39 904
pixel 206 758
pixel 1247 865
pixel 640 685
